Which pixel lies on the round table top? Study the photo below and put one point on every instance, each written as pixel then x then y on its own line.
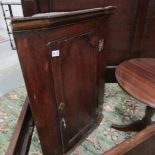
pixel 137 77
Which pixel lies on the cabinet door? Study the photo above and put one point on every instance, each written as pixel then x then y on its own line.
pixel 74 71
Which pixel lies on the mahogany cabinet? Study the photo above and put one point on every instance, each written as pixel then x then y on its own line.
pixel 63 61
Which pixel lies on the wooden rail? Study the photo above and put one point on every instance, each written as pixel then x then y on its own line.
pixel 21 139
pixel 134 142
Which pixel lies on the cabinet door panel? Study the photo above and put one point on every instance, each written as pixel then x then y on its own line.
pixel 74 73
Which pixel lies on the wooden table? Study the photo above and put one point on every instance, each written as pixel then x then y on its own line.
pixel 137 78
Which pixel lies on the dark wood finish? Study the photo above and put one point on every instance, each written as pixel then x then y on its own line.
pixel 140 22
pixel 58 86
pixel 142 143
pixel 110 74
pixel 57 19
pixel 131 28
pixel 144 45
pixel 136 77
pixel 30 7
pixel 22 135
pixel 121 25
pixel 144 148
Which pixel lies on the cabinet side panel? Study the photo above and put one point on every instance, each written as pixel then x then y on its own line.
pixel 32 51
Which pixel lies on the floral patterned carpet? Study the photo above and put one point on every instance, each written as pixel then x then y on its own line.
pixel 118 108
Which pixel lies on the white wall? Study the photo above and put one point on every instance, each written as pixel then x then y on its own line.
pixel 10 0
pixel 17 11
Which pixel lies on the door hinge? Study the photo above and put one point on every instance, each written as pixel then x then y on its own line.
pixel 101 45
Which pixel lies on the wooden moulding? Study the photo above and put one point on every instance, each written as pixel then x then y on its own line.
pixel 134 142
pixel 49 20
pixel 21 139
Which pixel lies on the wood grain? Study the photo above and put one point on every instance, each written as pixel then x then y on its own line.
pixel 137 77
pixel 56 20
pixel 21 139
pixel 142 143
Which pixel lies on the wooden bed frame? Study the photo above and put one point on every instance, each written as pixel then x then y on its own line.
pixel 21 139
pixel 142 143
pixel 135 39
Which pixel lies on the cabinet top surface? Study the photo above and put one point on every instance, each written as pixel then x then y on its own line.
pixel 53 19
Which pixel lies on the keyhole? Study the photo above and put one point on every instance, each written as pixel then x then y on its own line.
pixel 63 123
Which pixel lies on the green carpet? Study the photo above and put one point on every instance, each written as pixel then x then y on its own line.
pixel 118 108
